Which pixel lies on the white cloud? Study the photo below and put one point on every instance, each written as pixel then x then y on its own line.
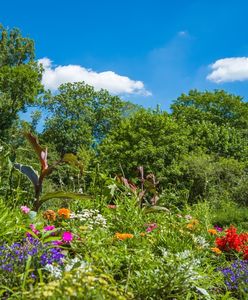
pixel 229 69
pixel 116 84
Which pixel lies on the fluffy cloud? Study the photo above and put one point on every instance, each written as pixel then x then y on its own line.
pixel 229 69
pixel 116 84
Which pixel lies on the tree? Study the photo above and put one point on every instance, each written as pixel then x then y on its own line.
pixel 79 115
pixel 217 107
pixel 20 76
pixel 147 138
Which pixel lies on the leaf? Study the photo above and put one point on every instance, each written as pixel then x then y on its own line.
pixel 42 153
pixel 154 199
pixel 63 195
pixel 29 172
pixel 51 239
pixel 73 160
pixel 154 209
pixel 70 158
pixel 203 292
pixel 127 183
pixel 112 188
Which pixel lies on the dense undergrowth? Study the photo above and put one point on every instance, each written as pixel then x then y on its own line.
pixel 121 251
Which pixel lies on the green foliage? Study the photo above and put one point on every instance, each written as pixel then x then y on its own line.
pixel 198 153
pixel 80 116
pixel 216 107
pixel 14 49
pixel 9 220
pixel 20 76
pixel 220 140
pixel 147 138
pixel 37 179
pixel 229 213
pixel 80 284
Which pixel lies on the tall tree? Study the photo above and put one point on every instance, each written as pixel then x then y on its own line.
pixel 79 115
pixel 148 138
pixel 218 107
pixel 20 76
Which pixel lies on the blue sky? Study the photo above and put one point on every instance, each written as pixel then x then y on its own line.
pixel 149 52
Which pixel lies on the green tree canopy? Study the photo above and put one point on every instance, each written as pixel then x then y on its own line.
pixel 79 115
pixel 217 107
pixel 147 138
pixel 20 76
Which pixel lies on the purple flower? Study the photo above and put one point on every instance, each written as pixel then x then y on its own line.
pixel 13 257
pixel 236 275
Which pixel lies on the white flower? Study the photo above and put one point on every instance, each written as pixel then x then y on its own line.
pixel 91 218
pixel 54 270
pixel 200 240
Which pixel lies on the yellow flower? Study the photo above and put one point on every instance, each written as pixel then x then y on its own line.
pixel 123 236
pixel 194 222
pixel 212 231
pixel 64 213
pixel 216 250
pixel 142 234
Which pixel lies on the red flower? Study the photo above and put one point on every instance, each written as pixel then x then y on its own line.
pixel 232 240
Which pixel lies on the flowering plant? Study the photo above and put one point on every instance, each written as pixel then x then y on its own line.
pixel 236 275
pixel 14 256
pixel 123 236
pixel 232 241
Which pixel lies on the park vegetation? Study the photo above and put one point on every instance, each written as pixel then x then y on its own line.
pixel 111 200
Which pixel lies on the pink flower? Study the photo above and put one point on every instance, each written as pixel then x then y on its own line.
pixel 67 236
pixel 49 227
pixel 151 227
pixel 35 231
pixel 25 209
pixel 218 228
pixel 57 243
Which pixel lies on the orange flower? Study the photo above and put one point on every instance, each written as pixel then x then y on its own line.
pixel 49 215
pixel 193 223
pixel 142 234
pixel 190 226
pixel 64 213
pixel 212 231
pixel 216 250
pixel 123 236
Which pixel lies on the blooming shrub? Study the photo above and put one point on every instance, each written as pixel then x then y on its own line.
pixel 236 275
pixel 232 241
pixel 90 218
pixel 57 270
pixel 13 257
